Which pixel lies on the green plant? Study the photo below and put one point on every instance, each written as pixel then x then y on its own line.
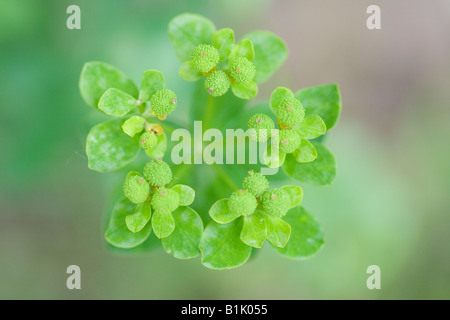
pixel 159 202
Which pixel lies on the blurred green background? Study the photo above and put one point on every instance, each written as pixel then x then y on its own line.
pixel 389 205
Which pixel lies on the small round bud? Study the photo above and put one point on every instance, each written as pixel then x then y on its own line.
pixel 148 140
pixel 217 83
pixel 242 202
pixel 255 183
pixel 163 102
pixel 205 57
pixel 262 125
pixel 289 140
pixel 290 113
pixel 276 202
pixel 242 70
pixel 165 200
pixel 157 173
pixel 135 188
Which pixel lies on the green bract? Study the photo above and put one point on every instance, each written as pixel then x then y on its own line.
pixel 205 57
pixel 157 173
pixel 228 230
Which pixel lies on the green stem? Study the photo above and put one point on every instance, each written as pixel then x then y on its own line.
pixel 225 178
pixel 208 113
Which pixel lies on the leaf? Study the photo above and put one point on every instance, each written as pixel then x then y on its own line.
pixel 116 103
pixel 295 193
pixel 324 101
pixel 270 53
pixel 321 171
pixel 223 40
pixel 254 231
pixel 307 236
pixel 187 194
pixel 163 224
pixel 133 125
pixel 158 151
pixel 243 48
pixel 221 246
pixel 278 97
pixel 108 148
pixel 184 241
pixel 312 127
pixel 97 77
pixel 187 31
pixel 220 213
pixel 152 81
pixel 188 72
pixel 306 152
pixel 245 90
pixel 138 220
pixel 273 161
pixel 117 233
pixel 278 231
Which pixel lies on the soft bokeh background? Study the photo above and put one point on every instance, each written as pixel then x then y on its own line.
pixel 389 205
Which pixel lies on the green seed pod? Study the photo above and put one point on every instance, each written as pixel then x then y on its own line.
pixel 242 70
pixel 165 200
pixel 276 202
pixel 262 125
pixel 148 140
pixel 255 183
pixel 242 202
pixel 290 113
pixel 157 173
pixel 135 188
pixel 205 57
pixel 163 102
pixel 290 140
pixel 217 83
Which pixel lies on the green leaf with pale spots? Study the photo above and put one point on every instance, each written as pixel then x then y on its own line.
pixel 278 231
pixel 245 90
pixel 186 193
pixel 220 212
pixel 184 241
pixel 243 48
pixel 254 231
pixel 97 77
pixel 108 148
pixel 152 81
pixel 270 53
pixel 158 151
pixel 221 246
pixel 187 31
pixel 163 224
pixel 188 72
pixel 321 171
pixel 223 40
pixel 306 152
pixel 295 193
pixel 117 232
pixel 115 102
pixel 138 220
pixel 307 236
pixel 311 127
pixel 324 101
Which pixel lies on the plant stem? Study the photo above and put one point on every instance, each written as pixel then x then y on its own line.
pixel 225 178
pixel 208 113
